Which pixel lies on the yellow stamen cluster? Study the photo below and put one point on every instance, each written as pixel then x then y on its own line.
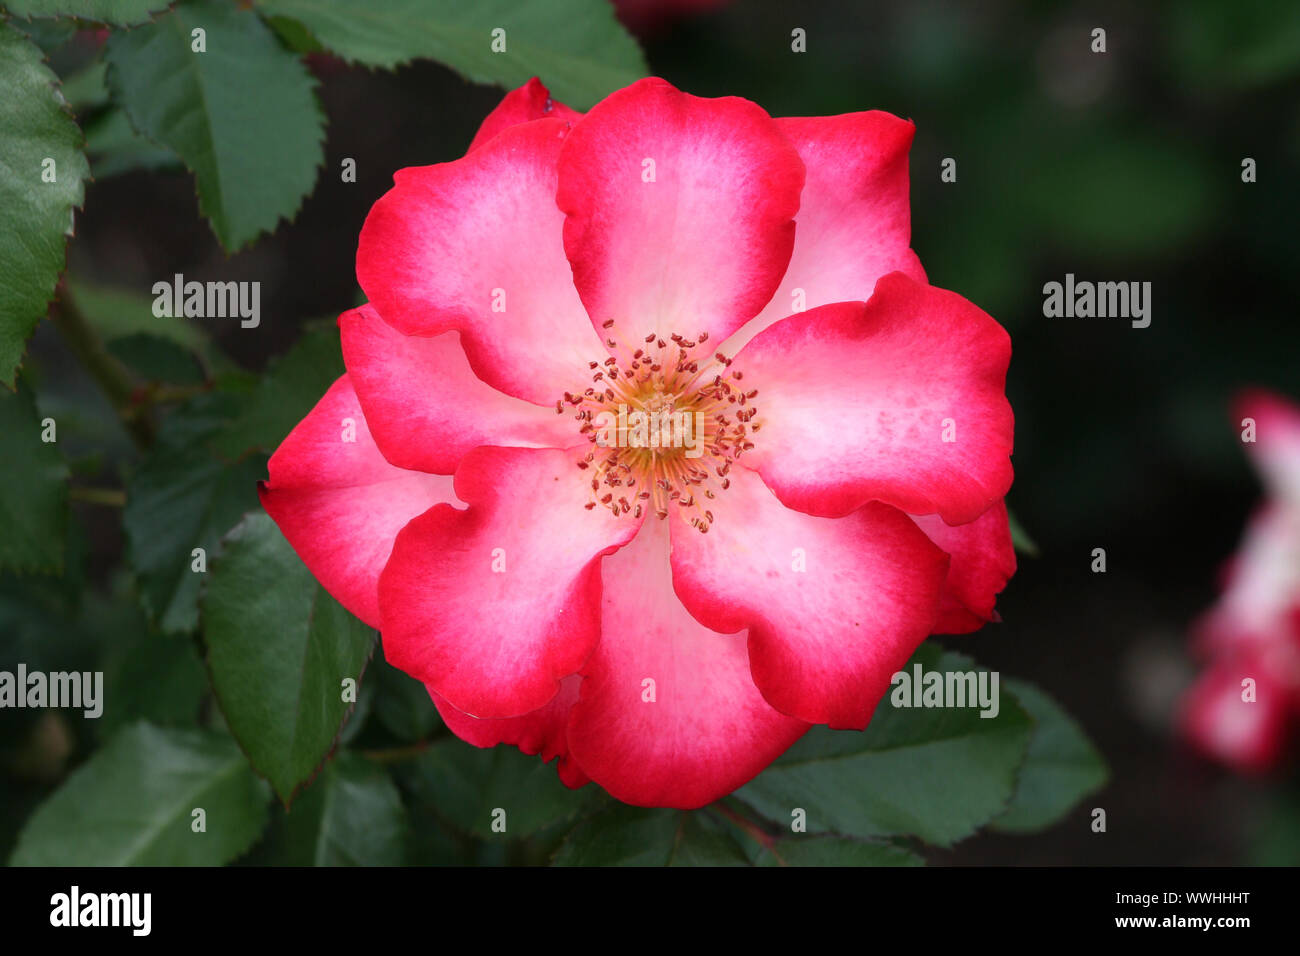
pixel 665 380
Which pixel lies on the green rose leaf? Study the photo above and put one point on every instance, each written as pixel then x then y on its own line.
pixel 147 676
pixel 155 349
pixel 85 90
pixel 289 390
pixel 49 35
pixel 402 703
pixel 1020 538
pixel 630 836
pixel 351 815
pixel 241 113
pixel 121 313
pixel 825 850
pixel 577 47
pixel 135 801
pixel 476 789
pixel 42 173
pixel 116 12
pixel 936 773
pixel 114 147
pixel 280 650
pixel 1062 768
pixel 184 497
pixel 34 493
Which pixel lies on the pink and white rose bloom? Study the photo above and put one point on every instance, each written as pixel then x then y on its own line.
pixel 1242 711
pixel 664 617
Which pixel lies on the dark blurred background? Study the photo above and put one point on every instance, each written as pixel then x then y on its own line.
pixel 1121 166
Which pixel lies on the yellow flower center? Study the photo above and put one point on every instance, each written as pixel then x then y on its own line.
pixel 665 430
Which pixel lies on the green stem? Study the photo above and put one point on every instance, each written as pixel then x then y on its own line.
pixel 164 394
pixel 113 378
pixel 112 497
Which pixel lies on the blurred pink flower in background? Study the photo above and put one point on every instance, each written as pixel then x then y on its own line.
pixel 1244 707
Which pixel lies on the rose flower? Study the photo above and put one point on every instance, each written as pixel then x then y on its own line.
pixel 1243 709
pixel 663 449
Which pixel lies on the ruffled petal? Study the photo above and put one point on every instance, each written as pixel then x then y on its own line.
pixel 668 714
pixel 855 221
pixel 541 732
pixel 983 560
pixel 526 103
pixel 834 606
pixel 1276 448
pixel 1261 596
pixel 901 400
pixel 493 605
pixel 475 245
pixel 339 503
pixel 1247 735
pixel 426 407
pixel 679 212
